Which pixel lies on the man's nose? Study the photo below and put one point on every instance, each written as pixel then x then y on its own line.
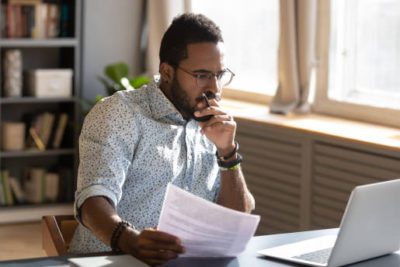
pixel 213 85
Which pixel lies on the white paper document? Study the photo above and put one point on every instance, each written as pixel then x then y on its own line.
pixel 206 229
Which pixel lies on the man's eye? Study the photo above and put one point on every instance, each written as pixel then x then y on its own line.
pixel 203 76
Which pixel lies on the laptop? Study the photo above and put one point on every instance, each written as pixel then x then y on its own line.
pixel 370 227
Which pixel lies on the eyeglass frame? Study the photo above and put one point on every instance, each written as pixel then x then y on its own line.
pixel 210 75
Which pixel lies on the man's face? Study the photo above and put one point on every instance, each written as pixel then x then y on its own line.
pixel 186 91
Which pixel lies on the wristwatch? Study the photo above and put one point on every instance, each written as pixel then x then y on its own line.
pixel 231 163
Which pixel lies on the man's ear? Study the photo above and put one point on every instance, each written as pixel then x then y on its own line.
pixel 167 72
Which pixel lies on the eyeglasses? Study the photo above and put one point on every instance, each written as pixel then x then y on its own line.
pixel 203 78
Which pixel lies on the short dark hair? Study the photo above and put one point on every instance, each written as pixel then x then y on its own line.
pixel 187 29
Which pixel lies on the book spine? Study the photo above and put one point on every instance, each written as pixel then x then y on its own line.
pixel 7 190
pixel 2 196
pixel 59 131
pixel 34 185
pixel 17 190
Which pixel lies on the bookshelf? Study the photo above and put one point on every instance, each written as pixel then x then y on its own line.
pixel 42 51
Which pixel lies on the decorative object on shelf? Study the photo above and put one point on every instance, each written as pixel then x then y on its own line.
pixel 50 82
pixel 12 73
pixel 13 136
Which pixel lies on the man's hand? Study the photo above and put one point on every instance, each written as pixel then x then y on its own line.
pixel 152 246
pixel 220 129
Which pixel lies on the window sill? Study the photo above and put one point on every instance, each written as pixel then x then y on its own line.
pixel 360 132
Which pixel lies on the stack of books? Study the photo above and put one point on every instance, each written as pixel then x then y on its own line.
pixel 35 19
pixel 37 186
pixel 45 132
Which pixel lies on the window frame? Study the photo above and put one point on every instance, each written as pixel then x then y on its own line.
pixel 322 103
pixel 241 94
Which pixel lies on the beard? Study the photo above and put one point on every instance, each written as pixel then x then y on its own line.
pixel 181 100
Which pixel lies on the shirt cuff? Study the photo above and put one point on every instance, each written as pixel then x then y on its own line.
pixel 92 191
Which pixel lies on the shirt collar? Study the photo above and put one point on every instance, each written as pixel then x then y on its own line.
pixel 160 105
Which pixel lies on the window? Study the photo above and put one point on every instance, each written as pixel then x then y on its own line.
pixel 362 59
pixel 250 31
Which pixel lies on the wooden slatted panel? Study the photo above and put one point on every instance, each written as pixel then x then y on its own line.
pixel 336 171
pixel 272 167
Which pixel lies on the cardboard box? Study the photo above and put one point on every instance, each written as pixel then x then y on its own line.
pixel 50 82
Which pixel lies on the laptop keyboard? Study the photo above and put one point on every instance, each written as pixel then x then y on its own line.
pixel 319 256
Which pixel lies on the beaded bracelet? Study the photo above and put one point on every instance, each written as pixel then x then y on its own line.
pixel 116 233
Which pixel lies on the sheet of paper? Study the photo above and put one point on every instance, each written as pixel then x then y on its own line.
pixel 117 260
pixel 206 229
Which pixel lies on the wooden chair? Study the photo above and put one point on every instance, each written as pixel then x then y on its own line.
pixel 57 232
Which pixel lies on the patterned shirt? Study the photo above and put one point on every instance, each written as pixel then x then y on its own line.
pixel 132 145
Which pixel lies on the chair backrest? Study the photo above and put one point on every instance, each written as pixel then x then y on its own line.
pixel 57 232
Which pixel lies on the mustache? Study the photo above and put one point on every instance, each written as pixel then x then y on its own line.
pixel 208 96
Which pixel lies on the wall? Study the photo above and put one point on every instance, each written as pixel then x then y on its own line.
pixel 110 34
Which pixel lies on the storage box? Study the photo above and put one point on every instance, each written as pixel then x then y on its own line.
pixel 50 82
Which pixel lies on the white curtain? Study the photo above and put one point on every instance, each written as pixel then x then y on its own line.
pixel 296 57
pixel 159 16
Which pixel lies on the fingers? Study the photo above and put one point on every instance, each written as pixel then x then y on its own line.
pixel 219 120
pixel 157 240
pixel 160 236
pixel 156 247
pixel 153 245
pixel 213 110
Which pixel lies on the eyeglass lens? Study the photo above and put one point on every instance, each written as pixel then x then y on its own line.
pixel 223 79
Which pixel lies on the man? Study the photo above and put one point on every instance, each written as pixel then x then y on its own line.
pixel 136 142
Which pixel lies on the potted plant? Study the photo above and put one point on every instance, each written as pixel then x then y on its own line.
pixel 117 79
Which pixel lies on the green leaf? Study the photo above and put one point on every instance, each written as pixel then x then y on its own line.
pixel 116 71
pixel 99 97
pixel 139 81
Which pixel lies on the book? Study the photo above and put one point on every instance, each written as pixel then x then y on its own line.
pixel 3 23
pixel 37 141
pixel 40 131
pixel 52 21
pixel 35 122
pixel 65 19
pixel 10 20
pixel 60 129
pixel 6 188
pixel 51 186
pixel 34 185
pixel 2 198
pixel 46 129
pixel 17 190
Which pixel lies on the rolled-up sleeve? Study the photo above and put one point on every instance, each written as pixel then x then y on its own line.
pixel 106 146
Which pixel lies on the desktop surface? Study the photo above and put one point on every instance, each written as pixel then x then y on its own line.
pixel 249 257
